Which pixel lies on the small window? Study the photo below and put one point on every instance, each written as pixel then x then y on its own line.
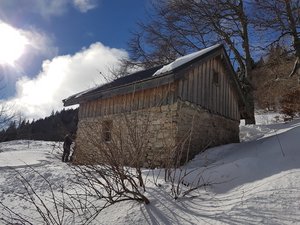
pixel 106 130
pixel 215 77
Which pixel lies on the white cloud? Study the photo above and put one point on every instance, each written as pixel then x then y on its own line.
pixel 63 76
pixel 45 8
pixel 49 8
pixel 40 43
pixel 85 5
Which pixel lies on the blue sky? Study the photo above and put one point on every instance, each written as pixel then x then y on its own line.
pixel 66 44
pixel 109 21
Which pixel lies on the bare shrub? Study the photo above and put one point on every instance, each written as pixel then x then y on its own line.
pixel 290 104
pixel 55 207
pixel 117 145
pixel 270 79
pixel 122 145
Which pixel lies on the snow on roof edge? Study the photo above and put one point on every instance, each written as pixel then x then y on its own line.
pixel 79 94
pixel 184 59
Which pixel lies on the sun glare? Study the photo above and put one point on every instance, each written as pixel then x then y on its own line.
pixel 12 44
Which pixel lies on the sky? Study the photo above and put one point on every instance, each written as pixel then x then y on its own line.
pixel 51 49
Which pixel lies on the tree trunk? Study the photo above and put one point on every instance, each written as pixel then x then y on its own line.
pixel 294 33
pixel 293 27
pixel 251 113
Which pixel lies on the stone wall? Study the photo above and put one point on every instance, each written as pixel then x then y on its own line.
pixel 199 129
pixel 149 134
pixel 159 136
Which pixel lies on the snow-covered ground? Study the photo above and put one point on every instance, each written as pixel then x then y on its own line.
pixel 256 181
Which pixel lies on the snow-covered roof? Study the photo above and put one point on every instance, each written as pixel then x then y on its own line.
pixel 184 59
pixel 77 95
pixel 140 76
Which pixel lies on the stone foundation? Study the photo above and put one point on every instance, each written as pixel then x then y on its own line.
pixel 148 134
pixel 155 137
pixel 198 129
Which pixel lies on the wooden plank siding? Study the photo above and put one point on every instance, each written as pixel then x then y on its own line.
pixel 215 87
pixel 206 85
pixel 222 92
pixel 198 87
pixel 202 74
pixel 158 96
pixel 80 111
pixel 210 94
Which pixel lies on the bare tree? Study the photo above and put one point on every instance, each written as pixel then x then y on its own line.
pixel 282 19
pixel 178 27
pixel 7 112
pixel 270 78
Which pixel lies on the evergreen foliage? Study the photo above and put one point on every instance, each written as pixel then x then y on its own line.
pixel 51 128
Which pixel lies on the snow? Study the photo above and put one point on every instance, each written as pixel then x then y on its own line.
pixel 184 59
pixel 256 181
pixel 83 92
pixel 15 154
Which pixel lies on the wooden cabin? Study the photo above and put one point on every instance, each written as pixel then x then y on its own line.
pixel 166 114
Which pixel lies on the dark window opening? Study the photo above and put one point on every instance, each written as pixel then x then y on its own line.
pixel 106 130
pixel 215 77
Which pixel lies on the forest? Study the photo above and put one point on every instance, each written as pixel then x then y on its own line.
pixel 51 128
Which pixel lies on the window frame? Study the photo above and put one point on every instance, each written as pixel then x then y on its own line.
pixel 216 78
pixel 107 126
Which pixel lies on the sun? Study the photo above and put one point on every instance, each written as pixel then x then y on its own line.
pixel 12 44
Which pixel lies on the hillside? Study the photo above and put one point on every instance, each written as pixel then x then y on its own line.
pixel 273 88
pixel 256 181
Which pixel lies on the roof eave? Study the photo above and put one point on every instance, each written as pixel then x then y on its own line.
pixel 151 82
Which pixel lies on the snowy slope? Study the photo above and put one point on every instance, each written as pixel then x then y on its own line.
pixel 254 182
